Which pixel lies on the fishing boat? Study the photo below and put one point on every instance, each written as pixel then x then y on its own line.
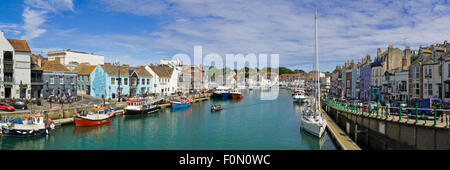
pixel 221 92
pixel 135 107
pixel 311 120
pixel 95 116
pixel 32 126
pixel 181 103
pixel 236 94
pixel 216 108
pixel 299 96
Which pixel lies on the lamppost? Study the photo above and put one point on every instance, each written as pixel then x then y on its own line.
pixel 118 81
pixel 441 60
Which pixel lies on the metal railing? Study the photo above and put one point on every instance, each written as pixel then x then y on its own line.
pixel 439 117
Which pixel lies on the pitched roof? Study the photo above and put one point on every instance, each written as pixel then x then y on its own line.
pixel 19 45
pixel 113 70
pixel 142 72
pixel 84 69
pixel 53 66
pixel 162 71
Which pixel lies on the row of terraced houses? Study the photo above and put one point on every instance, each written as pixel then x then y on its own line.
pixel 69 73
pixel 396 75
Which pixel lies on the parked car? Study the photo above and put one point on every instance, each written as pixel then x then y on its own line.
pixel 395 107
pixel 6 107
pixel 19 105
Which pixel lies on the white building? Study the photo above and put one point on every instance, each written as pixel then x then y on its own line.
pixel 165 79
pixel 401 84
pixel 68 57
pixel 15 68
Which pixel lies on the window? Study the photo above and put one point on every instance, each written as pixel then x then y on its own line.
pixel 125 81
pixel 417 71
pixel 143 81
pixel 61 80
pixel 448 68
pixel 148 81
pixel 430 89
pixel 72 80
pixel 113 81
pixel 119 81
pixel 52 80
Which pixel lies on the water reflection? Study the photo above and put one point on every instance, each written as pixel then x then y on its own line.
pixel 314 143
pixel 17 143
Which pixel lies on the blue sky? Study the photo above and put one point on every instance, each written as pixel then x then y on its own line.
pixel 140 32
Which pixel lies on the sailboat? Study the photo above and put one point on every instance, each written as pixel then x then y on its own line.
pixel 311 120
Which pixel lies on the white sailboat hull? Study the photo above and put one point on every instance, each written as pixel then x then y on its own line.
pixel 317 128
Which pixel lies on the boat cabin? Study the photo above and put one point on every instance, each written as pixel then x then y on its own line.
pixel 37 119
pixel 135 103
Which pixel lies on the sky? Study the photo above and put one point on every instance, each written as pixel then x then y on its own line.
pixel 140 32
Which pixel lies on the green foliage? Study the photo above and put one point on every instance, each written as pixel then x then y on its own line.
pixel 414 58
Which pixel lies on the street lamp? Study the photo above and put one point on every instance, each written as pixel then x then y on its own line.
pixel 118 81
pixel 441 60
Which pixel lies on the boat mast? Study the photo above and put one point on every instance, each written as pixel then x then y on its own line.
pixel 317 65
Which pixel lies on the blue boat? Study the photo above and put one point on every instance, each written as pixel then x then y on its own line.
pixel 178 105
pixel 182 103
pixel 221 93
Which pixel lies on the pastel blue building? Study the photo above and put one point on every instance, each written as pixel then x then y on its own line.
pixel 134 81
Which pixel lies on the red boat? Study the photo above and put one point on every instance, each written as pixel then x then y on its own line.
pixel 236 94
pixel 96 116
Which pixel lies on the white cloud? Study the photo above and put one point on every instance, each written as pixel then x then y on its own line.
pixel 347 29
pixel 33 21
pixel 35 15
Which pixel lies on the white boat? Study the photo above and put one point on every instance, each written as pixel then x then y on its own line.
pixel 32 126
pixel 299 97
pixel 311 120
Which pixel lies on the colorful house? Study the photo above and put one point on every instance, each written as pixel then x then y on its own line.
pixel 106 79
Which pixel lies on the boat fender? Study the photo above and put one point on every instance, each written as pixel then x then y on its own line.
pixel 46 131
pixel 52 125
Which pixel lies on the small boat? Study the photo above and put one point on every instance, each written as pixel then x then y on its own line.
pixel 236 94
pixel 221 92
pixel 216 108
pixel 183 102
pixel 299 96
pixel 95 116
pixel 135 107
pixel 32 126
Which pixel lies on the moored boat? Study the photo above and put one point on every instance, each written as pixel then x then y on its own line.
pixel 32 126
pixel 236 94
pixel 221 92
pixel 311 120
pixel 95 116
pixel 135 107
pixel 299 96
pixel 181 103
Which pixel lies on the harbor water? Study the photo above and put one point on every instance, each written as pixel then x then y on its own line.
pixel 245 124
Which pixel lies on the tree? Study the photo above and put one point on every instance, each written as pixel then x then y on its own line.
pixel 414 58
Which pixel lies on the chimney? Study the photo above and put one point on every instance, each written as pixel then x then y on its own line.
pixel 391 46
pixel 2 33
pixel 378 51
pixel 39 60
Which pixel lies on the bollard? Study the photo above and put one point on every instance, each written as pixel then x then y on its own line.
pixel 407 116
pixel 400 114
pixel 435 115
pixel 417 115
pixel 446 120
pixel 387 111
pixel 378 110
pixel 425 117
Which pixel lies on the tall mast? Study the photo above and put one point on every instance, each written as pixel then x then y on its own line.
pixel 317 65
